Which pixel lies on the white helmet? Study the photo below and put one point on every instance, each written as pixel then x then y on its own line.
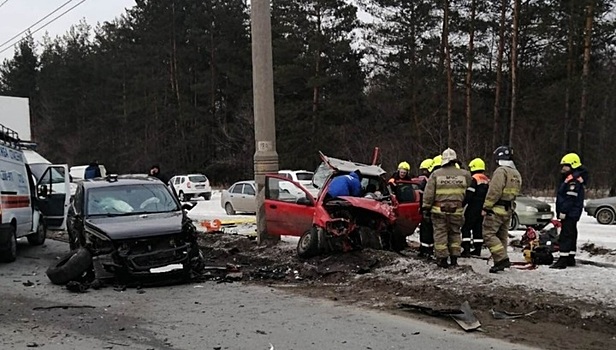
pixel 449 156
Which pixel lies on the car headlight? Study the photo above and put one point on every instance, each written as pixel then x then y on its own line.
pixel 532 210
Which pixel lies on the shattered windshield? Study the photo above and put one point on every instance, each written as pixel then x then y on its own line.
pixel 130 200
pixel 321 175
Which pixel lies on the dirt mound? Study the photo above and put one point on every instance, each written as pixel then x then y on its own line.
pixel 383 280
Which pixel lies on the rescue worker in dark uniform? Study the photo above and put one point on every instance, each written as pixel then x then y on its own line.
pixel 497 210
pixel 426 233
pixel 403 173
pixel 442 202
pixel 569 206
pixel 473 221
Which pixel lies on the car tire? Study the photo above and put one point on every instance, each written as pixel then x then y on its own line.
pixel 38 237
pixel 207 196
pixel 514 223
pixel 9 254
pixel 229 209
pixel 605 216
pixel 70 267
pixel 369 238
pixel 308 245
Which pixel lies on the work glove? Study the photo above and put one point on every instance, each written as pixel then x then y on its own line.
pixel 426 215
pixel 487 212
pixel 562 216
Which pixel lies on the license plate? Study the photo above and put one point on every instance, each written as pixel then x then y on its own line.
pixel 167 268
pixel 546 216
pixel 200 186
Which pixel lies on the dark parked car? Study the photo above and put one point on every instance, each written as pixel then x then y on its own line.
pixel 132 226
pixel 604 210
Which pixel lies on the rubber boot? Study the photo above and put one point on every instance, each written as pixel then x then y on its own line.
pixel 454 261
pixel 442 262
pixel 466 250
pixel 477 250
pixel 571 260
pixel 500 266
pixel 561 263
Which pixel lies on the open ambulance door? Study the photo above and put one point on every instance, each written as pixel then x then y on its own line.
pixel 53 196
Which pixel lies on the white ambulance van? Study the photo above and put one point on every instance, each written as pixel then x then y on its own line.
pixel 29 205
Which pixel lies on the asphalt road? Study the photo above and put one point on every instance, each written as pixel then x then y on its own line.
pixel 197 316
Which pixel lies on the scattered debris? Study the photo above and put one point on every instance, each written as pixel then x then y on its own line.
pixel 64 307
pixel 28 283
pixel 593 249
pixel 506 315
pixel 77 287
pixel 119 344
pixel 429 311
pixel 261 332
pixel 32 345
pixel 467 319
pixel 367 268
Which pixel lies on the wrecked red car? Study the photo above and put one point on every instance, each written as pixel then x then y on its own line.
pixel 380 219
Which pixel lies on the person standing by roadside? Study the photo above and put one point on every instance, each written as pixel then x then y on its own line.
pixel 426 232
pixel 92 171
pixel 569 206
pixel 473 221
pixel 442 202
pixel 155 172
pixel 497 210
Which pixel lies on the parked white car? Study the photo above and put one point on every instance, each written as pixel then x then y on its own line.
pixel 302 177
pixel 77 172
pixel 191 185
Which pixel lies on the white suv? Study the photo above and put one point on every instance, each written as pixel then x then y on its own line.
pixel 303 177
pixel 187 186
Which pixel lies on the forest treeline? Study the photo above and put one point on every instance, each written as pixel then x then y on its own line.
pixel 169 82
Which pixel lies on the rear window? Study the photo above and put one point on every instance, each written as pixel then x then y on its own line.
pixel 197 178
pixel 304 176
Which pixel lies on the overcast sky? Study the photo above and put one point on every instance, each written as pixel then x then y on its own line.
pixel 17 15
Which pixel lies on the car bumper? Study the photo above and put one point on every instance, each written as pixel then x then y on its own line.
pixel 532 218
pixel 590 210
pixel 160 263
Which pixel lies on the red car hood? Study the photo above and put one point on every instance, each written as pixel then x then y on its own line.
pixel 373 205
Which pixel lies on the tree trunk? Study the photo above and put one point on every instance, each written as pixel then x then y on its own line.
pixel 469 78
pixel 585 72
pixel 317 67
pixel 448 72
pixel 499 74
pixel 514 69
pixel 570 56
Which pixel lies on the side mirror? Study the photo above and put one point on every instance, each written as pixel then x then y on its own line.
pixel 188 206
pixel 304 201
pixel 43 192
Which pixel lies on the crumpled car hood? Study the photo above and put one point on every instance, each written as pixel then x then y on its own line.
pixel 138 226
pixel 373 205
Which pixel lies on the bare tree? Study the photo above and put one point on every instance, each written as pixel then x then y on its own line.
pixel 570 58
pixel 585 72
pixel 449 78
pixel 469 77
pixel 514 68
pixel 499 72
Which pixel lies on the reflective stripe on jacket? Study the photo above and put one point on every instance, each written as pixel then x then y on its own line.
pixel 505 186
pixel 446 187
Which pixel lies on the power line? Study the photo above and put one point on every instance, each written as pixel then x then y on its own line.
pixel 37 22
pixel 46 24
pixel 4 2
pixel 40 20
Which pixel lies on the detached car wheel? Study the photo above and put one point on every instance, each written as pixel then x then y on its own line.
pixel 308 245
pixel 38 237
pixel 9 253
pixel 605 216
pixel 70 267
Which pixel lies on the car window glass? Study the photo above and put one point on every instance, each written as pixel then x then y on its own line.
pixel 284 191
pixel 237 188
pixel 182 179
pixel 405 193
pixel 197 178
pixel 304 176
pixel 249 190
pixel 321 175
pixel 130 199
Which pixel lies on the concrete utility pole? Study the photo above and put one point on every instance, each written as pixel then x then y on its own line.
pixel 266 157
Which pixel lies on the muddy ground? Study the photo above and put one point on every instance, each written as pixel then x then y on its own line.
pixel 383 280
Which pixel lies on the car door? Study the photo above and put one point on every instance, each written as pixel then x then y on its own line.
pixel 287 213
pixel 53 196
pixel 249 200
pixel 409 207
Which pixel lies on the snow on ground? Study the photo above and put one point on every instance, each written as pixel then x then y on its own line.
pixel 584 281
